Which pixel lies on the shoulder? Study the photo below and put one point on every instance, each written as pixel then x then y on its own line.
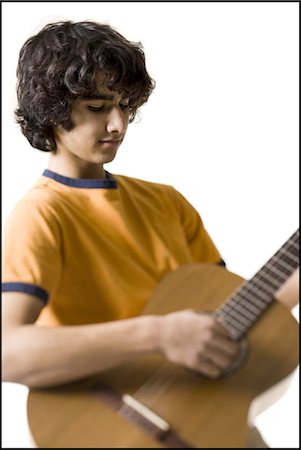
pixel 39 205
pixel 41 195
pixel 146 192
pixel 139 184
pixel 164 194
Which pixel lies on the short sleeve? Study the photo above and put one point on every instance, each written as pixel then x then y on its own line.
pixel 201 245
pixel 32 253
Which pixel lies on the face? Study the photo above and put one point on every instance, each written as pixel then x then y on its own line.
pixel 99 126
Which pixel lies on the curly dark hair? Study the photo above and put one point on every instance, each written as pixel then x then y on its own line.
pixel 61 62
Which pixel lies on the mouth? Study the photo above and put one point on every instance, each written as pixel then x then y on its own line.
pixel 110 143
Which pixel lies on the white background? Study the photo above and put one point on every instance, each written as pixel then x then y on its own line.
pixel 221 127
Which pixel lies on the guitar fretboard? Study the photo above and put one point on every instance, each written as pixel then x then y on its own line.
pixel 253 297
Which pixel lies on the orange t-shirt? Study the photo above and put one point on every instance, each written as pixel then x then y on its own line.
pixel 93 250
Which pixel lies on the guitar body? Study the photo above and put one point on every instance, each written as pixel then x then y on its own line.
pixel 206 413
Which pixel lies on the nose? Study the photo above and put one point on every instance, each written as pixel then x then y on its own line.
pixel 117 122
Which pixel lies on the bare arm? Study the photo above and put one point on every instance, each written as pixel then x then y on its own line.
pixel 43 356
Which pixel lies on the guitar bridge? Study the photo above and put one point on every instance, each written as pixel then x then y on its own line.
pixel 138 413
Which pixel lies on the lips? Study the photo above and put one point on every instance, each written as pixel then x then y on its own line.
pixel 110 144
pixel 113 140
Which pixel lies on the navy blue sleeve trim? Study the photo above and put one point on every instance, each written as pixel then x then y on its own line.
pixel 27 289
pixel 221 263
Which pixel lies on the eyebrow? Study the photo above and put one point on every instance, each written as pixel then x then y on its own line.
pixel 98 97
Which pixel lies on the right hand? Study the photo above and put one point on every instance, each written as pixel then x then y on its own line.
pixel 197 341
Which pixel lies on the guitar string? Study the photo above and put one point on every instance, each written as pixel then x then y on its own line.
pixel 270 266
pixel 160 382
pixel 237 303
pixel 156 384
pixel 233 310
pixel 249 288
pixel 257 279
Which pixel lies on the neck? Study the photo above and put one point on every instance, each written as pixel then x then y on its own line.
pixel 75 168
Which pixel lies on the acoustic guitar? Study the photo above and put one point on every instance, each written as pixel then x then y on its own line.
pixel 152 403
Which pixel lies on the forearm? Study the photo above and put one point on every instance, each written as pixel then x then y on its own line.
pixel 39 356
pixel 44 356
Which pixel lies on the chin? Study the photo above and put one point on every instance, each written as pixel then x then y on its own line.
pixel 108 158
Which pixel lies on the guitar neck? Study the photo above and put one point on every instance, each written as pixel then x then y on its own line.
pixel 253 297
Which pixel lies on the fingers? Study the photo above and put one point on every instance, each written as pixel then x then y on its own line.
pixel 217 324
pixel 215 337
pixel 215 360
pixel 197 341
pixel 215 356
pixel 222 345
pixel 217 351
pixel 207 368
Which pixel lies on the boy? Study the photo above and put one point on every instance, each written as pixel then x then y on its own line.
pixel 84 249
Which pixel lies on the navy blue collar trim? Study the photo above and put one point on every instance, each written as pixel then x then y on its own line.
pixel 106 183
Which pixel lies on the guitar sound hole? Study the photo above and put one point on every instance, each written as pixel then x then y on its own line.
pixel 239 359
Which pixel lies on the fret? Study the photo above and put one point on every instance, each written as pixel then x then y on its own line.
pixel 262 295
pixel 259 294
pixel 232 311
pixel 278 272
pixel 235 326
pixel 239 301
pixel 239 318
pixel 265 278
pixel 243 303
pixel 293 256
pixel 291 260
pixel 284 248
pixel 237 310
pixel 253 297
pixel 295 246
pixel 286 266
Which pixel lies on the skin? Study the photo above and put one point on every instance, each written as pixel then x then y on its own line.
pixel 44 356
pixel 99 127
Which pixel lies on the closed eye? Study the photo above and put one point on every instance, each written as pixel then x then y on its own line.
pixel 101 108
pixel 96 109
